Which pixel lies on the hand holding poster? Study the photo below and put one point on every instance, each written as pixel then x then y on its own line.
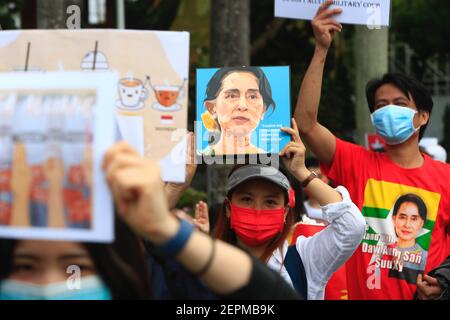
pixel 373 13
pixel 240 110
pixel 54 130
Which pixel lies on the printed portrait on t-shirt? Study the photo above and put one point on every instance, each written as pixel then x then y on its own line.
pixel 400 220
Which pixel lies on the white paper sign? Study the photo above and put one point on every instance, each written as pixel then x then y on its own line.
pixel 373 13
pixel 152 90
pixel 55 128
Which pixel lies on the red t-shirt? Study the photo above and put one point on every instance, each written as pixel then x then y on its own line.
pixel 336 288
pixel 382 267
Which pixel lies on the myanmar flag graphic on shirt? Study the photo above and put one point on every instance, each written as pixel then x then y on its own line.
pixel 400 220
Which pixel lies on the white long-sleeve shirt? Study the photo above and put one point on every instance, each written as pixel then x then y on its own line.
pixel 323 253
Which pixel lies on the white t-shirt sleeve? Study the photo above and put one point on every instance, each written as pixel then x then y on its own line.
pixel 323 253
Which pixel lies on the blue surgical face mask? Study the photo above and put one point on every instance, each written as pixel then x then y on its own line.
pixel 394 124
pixel 90 288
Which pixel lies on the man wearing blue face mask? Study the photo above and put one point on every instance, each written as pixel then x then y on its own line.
pixel 400 110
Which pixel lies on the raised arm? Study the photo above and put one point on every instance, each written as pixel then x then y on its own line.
pixel 323 253
pixel 294 158
pixel 321 141
pixel 138 192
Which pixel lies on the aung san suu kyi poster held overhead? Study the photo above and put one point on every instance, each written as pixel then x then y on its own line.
pixel 240 110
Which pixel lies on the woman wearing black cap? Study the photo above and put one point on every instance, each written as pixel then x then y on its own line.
pixel 258 216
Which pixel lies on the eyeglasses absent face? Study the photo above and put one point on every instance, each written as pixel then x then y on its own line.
pixel 45 262
pixel 239 106
pixel 408 222
pixel 258 194
pixel 390 94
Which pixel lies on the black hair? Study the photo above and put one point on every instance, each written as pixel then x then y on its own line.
pixel 409 197
pixel 406 84
pixel 121 265
pixel 215 84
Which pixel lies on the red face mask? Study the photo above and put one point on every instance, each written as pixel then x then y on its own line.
pixel 256 227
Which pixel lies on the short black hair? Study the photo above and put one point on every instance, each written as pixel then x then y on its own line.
pixel 409 197
pixel 406 84
pixel 215 83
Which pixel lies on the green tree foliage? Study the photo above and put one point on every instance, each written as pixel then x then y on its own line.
pixel 190 198
pixel 151 14
pixel 7 11
pixel 446 140
pixel 423 25
pixel 293 44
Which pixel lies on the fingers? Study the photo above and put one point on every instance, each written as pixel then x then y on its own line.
pixel 325 14
pixel 328 27
pixel 118 148
pixel 291 149
pixel 289 131
pixel 324 6
pixel 427 287
pixel 419 279
pixel 331 23
pixel 333 29
pixel 201 210
pixel 191 148
pixel 292 131
pixel 431 280
pixel 121 160
pixel 129 175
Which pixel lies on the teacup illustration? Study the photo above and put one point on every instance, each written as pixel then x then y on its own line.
pixel 132 93
pixel 168 96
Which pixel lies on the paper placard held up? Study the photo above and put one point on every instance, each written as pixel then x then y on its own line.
pixel 372 13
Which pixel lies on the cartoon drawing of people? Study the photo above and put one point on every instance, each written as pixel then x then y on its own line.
pixel 21 181
pixel 54 172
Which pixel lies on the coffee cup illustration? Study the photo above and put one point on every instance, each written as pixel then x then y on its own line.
pixel 168 96
pixel 132 94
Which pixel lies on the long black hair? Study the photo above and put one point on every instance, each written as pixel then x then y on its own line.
pixel 121 264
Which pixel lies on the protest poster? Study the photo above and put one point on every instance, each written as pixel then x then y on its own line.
pixel 151 93
pixel 240 110
pixel 372 13
pixel 54 130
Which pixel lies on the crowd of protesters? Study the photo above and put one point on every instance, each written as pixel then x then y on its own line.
pixel 263 244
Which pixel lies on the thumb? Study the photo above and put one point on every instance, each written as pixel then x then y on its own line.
pixel 419 278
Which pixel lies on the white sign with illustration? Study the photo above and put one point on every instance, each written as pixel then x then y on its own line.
pixel 55 128
pixel 151 93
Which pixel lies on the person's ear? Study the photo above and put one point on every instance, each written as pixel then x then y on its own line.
pixel 424 117
pixel 211 107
